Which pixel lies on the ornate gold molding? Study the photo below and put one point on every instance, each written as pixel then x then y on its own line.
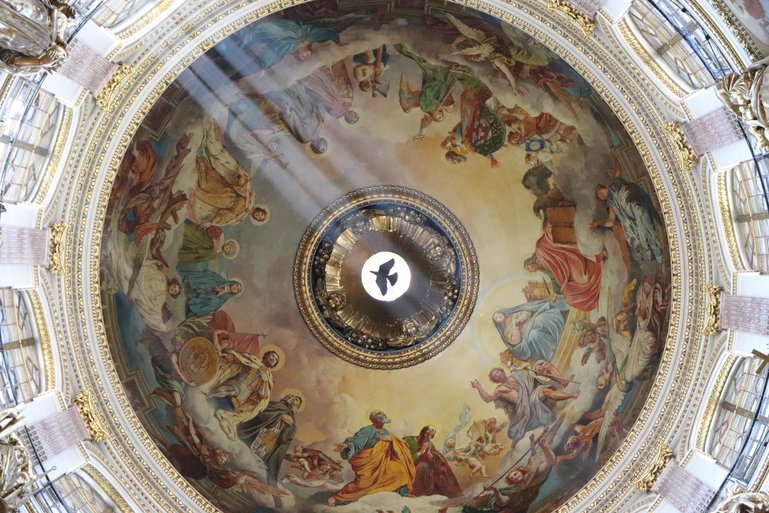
pixel 85 406
pixel 121 75
pixel 686 155
pixel 56 248
pixel 714 310
pixel 715 395
pixel 584 22
pixel 147 19
pixel 646 483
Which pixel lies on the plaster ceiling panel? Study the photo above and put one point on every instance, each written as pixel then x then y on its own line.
pixel 246 301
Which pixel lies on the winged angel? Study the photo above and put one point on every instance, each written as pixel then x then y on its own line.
pixel 517 55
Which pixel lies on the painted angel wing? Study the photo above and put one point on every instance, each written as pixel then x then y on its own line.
pixel 484 49
pixel 469 33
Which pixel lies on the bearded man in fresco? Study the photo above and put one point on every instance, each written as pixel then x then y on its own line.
pixel 381 461
pixel 632 216
pixel 527 402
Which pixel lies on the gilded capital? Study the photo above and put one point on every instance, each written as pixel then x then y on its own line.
pixel 646 483
pixel 713 326
pixel 84 405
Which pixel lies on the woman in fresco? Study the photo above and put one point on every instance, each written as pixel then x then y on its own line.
pixel 532 330
pixel 207 291
pixel 433 473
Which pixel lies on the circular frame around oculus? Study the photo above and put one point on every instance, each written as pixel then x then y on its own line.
pixel 352 322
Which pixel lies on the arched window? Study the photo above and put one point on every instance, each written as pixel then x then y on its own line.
pixel 20 356
pixel 29 123
pixel 750 215
pixel 739 432
pixel 679 41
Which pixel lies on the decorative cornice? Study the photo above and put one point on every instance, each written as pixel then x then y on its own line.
pixel 146 20
pixel 108 488
pixel 715 395
pixel 121 76
pixel 686 154
pixel 56 248
pixel 646 483
pixel 713 326
pixel 584 22
pixel 87 411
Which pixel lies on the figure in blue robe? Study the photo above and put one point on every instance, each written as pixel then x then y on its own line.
pixel 532 330
pixel 207 291
pixel 264 44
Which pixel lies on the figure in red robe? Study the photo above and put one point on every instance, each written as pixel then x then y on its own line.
pixel 433 473
pixel 578 276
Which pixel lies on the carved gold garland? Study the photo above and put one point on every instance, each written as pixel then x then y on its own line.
pixel 582 20
pixel 105 485
pixel 53 164
pixel 664 456
pixel 90 416
pixel 713 326
pixel 57 248
pixel 147 19
pixel 44 339
pixel 725 209
pixel 120 77
pixel 89 358
pixel 715 395
pixel 686 154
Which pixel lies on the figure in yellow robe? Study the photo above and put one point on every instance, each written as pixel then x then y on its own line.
pixel 382 462
pixel 223 194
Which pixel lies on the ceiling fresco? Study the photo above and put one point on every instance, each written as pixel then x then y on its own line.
pixel 367 258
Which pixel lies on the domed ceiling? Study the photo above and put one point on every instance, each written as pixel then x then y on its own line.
pixel 379 260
